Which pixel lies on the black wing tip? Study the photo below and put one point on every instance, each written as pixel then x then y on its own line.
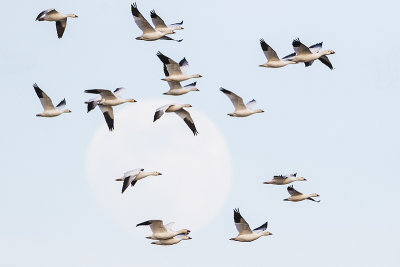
pixel 236 215
pixel 109 121
pixel 162 57
pixel 264 226
pixel 290 187
pixel 296 42
pixel 134 10
pixel 143 223
pixel 223 90
pixel 38 91
pixel 191 126
pixel 192 84
pixel 153 14
pixel 180 40
pixel 62 102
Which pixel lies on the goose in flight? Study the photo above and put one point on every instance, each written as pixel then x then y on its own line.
pixel 309 54
pixel 285 179
pixel 160 25
pixel 161 232
pixel 241 110
pixel 175 88
pixel 297 196
pixel 105 102
pixel 48 108
pixel 172 241
pixel 131 177
pixel 245 233
pixel 273 60
pixel 149 33
pixel 58 17
pixel 180 111
pixel 175 72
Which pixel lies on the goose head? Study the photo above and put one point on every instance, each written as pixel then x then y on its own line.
pixel 329 52
pixel 314 195
pixel 301 179
pixel 232 114
pixel 186 105
pixel 157 173
pixel 184 231
pixel 39 115
pixel 259 111
pixel 197 76
pixel 132 100
pixel 67 111
pixel 72 16
pixel 266 233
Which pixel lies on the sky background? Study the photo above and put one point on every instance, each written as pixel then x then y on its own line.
pixel 339 129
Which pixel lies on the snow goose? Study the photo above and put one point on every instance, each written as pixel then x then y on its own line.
pixel 132 176
pixel 175 72
pixel 160 25
pixel 58 17
pixel 175 88
pixel 241 110
pixel 161 232
pixel 245 233
pixel 149 33
pixel 272 57
pixel 285 179
pixel 172 241
pixel 105 103
pixel 309 54
pixel 178 109
pixel 48 108
pixel 297 196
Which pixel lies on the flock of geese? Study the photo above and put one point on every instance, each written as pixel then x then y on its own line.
pixel 175 73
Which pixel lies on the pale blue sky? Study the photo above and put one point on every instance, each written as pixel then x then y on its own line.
pixel 340 129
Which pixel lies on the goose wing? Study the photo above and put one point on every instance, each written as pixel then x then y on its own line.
pixel 184 65
pixel 127 181
pixel 45 100
pixel 45 13
pixel 160 111
pixel 325 60
pixel 174 85
pixel 269 53
pixel 173 67
pixel 118 92
pixel 241 225
pixel 315 48
pixel 108 114
pixel 185 115
pixel 61 105
pixel 92 103
pixel 191 85
pixel 236 100
pixel 140 21
pixel 60 26
pixel 157 21
pixel 156 226
pixel 133 172
pixel 261 228
pixel 176 26
pixel 300 48
pixel 251 104
pixel 103 92
pixel 280 177
pixel 292 191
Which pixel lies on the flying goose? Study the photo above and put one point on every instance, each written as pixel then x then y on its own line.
pixel 160 25
pixel 297 196
pixel 285 179
pixel 178 109
pixel 309 54
pixel 149 33
pixel 58 17
pixel 245 233
pixel 175 88
pixel 48 108
pixel 172 241
pixel 161 232
pixel 105 103
pixel 131 177
pixel 272 57
pixel 241 110
pixel 175 72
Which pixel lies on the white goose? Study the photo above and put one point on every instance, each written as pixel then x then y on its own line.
pixel 105 103
pixel 160 25
pixel 241 110
pixel 175 72
pixel 172 241
pixel 272 57
pixel 297 196
pixel 245 233
pixel 58 17
pixel 149 33
pixel 178 109
pixel 132 176
pixel 48 108
pixel 161 232
pixel 285 179
pixel 309 54
pixel 175 88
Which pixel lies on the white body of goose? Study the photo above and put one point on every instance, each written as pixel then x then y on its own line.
pixel 48 108
pixel 161 232
pixel 285 179
pixel 58 17
pixel 273 60
pixel 175 88
pixel 245 233
pixel 297 196
pixel 149 33
pixel 132 176
pixel 172 241
pixel 179 110
pixel 309 54
pixel 241 110
pixel 105 103
pixel 175 72
pixel 160 25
